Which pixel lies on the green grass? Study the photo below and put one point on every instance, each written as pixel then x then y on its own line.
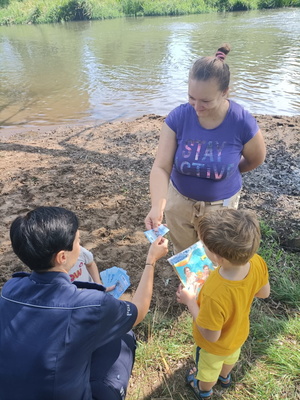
pixel 50 11
pixel 283 267
pixel 269 366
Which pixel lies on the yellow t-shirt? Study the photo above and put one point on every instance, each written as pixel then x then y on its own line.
pixel 225 305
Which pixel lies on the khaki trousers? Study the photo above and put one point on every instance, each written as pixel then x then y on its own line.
pixel 182 216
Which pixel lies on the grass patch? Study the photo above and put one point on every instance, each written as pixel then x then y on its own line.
pixel 283 268
pixel 269 366
pixel 50 11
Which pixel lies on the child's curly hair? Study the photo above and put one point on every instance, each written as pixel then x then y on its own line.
pixel 231 234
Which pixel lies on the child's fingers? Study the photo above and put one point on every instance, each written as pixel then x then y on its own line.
pixel 178 296
pixel 179 289
pixel 110 288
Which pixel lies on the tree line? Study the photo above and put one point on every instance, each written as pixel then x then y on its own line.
pixel 50 11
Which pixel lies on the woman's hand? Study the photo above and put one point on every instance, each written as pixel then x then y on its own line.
pixel 154 218
pixel 157 250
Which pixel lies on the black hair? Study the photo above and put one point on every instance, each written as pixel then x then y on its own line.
pixel 39 235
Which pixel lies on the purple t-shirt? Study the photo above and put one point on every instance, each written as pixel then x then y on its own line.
pixel 206 160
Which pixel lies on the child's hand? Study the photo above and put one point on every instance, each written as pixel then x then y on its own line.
pixel 157 250
pixel 110 288
pixel 185 296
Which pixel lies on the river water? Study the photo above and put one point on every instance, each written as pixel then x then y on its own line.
pixel 95 71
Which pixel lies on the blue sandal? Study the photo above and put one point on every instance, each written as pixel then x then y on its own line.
pixel 192 382
pixel 225 382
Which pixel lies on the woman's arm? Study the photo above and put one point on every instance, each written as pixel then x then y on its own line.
pixel 143 294
pixel 253 154
pixel 160 176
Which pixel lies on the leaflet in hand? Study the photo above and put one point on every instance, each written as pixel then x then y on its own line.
pixel 151 235
pixel 115 276
pixel 192 266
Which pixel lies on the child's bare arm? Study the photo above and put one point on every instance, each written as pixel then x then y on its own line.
pixel 93 271
pixel 211 336
pixel 264 292
pixel 188 298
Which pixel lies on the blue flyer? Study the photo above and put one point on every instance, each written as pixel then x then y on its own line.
pixel 152 235
pixel 115 276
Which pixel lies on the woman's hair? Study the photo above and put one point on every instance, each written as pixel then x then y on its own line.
pixel 231 234
pixel 206 68
pixel 39 235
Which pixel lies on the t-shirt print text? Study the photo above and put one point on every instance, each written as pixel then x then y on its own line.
pixel 203 159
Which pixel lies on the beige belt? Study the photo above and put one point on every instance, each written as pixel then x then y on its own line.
pixel 199 207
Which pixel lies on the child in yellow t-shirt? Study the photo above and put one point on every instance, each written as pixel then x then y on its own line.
pixel 221 311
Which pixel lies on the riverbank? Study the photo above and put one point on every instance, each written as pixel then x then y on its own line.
pixel 52 11
pixel 102 172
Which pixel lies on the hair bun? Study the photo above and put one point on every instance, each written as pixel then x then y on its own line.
pixel 220 55
pixel 222 51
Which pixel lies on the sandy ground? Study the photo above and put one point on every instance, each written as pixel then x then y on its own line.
pixel 102 172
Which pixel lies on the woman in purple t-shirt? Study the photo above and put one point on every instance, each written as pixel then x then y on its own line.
pixel 205 145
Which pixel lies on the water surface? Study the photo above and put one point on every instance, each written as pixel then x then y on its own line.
pixel 82 72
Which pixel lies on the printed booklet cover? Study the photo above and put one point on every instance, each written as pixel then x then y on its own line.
pixel 192 266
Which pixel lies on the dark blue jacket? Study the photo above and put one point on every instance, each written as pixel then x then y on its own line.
pixel 49 330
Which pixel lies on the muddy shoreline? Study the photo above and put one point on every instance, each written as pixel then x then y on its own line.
pixel 102 173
